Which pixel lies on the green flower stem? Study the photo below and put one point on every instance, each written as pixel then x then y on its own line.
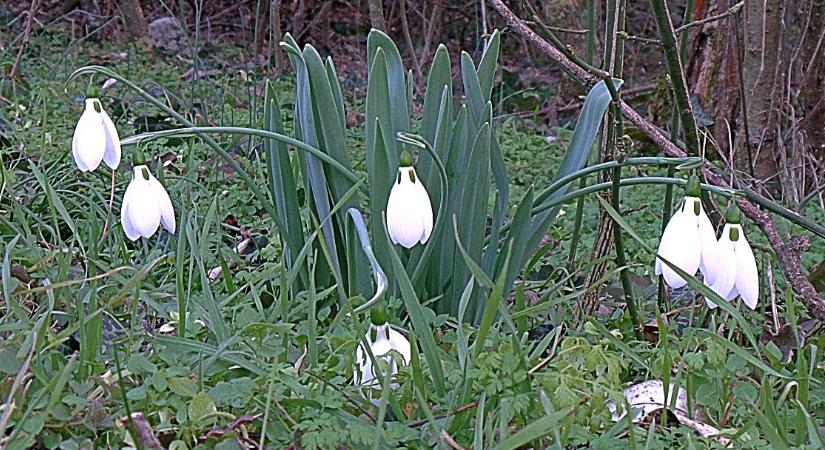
pixel 674 69
pixel 561 182
pixel 621 259
pixel 751 195
pixel 577 227
pixel 635 181
pixel 377 272
pixel 204 131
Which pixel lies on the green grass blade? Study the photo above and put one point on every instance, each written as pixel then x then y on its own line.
pixel 423 329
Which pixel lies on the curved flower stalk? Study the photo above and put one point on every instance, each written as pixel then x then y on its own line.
pixel 146 205
pixel 95 138
pixel 409 211
pixel 737 273
pixel 688 241
pixel 387 346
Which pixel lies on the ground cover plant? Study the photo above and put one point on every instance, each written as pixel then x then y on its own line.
pixel 228 260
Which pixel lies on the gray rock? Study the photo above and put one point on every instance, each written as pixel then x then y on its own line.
pixel 166 33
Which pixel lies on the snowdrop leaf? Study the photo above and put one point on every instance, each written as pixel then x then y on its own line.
pixel 421 327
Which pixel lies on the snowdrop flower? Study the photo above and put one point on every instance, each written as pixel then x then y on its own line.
pixel 146 205
pixel 388 347
pixel 409 211
pixel 689 241
pixel 736 272
pixel 95 138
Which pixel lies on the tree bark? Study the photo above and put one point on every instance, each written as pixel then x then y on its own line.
pixel 377 14
pixel 762 78
pixel 135 24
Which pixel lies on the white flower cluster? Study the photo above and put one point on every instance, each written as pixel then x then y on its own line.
pixel 146 204
pixel 727 264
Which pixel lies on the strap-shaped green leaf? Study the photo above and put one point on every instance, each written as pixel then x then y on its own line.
pixel 281 181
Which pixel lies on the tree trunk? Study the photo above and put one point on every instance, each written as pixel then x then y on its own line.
pixel 275 35
pixel 135 24
pixel 377 14
pixel 762 78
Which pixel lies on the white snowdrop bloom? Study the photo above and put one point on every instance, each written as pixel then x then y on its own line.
pixel 409 211
pixel 146 205
pixel 736 272
pixel 689 242
pixel 388 346
pixel 95 138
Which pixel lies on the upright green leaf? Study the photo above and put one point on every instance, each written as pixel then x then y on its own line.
pixel 487 66
pixel 423 329
pixel 282 184
pixel 578 152
pixel 396 79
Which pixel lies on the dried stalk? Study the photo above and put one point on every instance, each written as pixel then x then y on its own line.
pixel 26 33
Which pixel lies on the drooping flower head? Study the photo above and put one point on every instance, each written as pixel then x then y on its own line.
pixel 409 211
pixel 95 138
pixel 689 241
pixel 146 205
pixel 736 273
pixel 389 347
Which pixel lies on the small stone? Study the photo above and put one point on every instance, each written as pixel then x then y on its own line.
pixel 166 33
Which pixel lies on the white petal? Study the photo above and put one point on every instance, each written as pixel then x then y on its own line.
pixel 167 212
pixel 89 140
pixel 424 208
pixel 400 344
pixel 128 229
pixel 142 209
pixel 680 246
pixel 707 238
pixel 725 275
pixel 407 211
pixel 112 153
pixel 747 275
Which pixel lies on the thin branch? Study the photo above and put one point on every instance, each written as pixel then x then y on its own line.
pixel 733 10
pixel 25 44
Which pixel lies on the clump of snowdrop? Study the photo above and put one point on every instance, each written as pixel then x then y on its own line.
pixel 95 138
pixel 409 211
pixel 736 273
pixel 389 347
pixel 689 241
pixel 146 205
